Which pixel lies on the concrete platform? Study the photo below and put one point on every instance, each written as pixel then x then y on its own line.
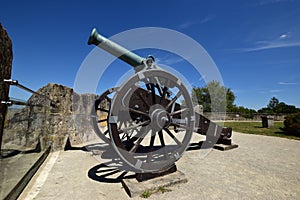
pixel 135 188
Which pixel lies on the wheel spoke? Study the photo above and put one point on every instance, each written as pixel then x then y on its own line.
pixel 136 145
pixel 149 155
pixel 179 111
pixel 144 101
pixel 148 86
pixel 108 99
pixel 152 139
pixel 102 120
pixel 162 141
pixel 135 126
pixel 174 99
pixel 124 135
pixel 105 132
pixel 161 138
pixel 158 89
pixel 104 110
pixel 163 94
pixel 140 139
pixel 153 94
pixel 172 136
pixel 139 112
pixel 180 125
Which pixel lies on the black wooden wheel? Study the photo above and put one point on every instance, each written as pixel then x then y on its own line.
pixel 143 115
pixel 100 113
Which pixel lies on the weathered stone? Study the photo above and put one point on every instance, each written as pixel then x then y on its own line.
pixel 6 57
pixel 67 114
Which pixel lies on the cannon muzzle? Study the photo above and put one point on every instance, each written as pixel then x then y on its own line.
pixel 115 49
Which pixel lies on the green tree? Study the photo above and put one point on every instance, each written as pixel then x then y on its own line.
pixel 201 96
pixel 230 97
pixel 214 97
pixel 245 112
pixel 285 109
pixel 265 110
pixel 277 107
pixel 273 103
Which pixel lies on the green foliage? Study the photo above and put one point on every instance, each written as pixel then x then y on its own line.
pixel 201 96
pixel 214 97
pixel 292 124
pixel 245 112
pixel 273 103
pixel 163 189
pixel 266 110
pixel 276 107
pixel 284 108
pixel 146 194
pixel 230 97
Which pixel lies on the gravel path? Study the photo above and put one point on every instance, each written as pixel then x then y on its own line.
pixel 261 167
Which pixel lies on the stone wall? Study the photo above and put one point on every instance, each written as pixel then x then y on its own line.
pixel 241 116
pixel 51 122
pixel 66 115
pixel 6 57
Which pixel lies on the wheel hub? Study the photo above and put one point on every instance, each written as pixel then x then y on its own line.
pixel 160 118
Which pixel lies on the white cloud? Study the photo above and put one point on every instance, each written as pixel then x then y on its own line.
pixel 275 91
pixel 188 24
pixel 262 92
pixel 282 40
pixel 263 45
pixel 283 36
pixel 157 60
pixel 288 83
pixel 267 2
pixel 207 19
pixel 170 60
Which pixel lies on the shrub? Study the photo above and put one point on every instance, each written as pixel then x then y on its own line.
pixel 292 124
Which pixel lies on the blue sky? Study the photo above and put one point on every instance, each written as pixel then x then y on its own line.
pixel 255 44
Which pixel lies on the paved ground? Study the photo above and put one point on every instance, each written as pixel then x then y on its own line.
pixel 13 169
pixel 261 168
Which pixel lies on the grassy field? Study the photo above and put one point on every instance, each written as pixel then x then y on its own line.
pixel 256 128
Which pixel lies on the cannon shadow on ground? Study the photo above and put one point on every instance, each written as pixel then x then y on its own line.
pixel 113 171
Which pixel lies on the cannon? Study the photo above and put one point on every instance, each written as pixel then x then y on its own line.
pixel 149 120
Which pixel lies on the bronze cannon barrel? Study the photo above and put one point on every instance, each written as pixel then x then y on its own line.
pixel 115 49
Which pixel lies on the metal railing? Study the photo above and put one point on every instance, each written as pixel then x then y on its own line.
pixel 16 83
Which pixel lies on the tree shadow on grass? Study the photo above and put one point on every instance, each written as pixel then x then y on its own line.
pixel 290 134
pixel 259 127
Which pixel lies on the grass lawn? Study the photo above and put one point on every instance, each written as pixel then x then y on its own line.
pixel 256 128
